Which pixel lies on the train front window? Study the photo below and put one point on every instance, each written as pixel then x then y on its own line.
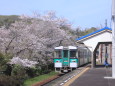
pixel 57 54
pixel 73 53
pixel 65 53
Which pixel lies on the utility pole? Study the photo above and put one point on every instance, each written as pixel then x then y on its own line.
pixel 106 23
pixel 113 38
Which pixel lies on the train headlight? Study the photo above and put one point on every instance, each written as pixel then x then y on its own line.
pixel 57 61
pixel 73 61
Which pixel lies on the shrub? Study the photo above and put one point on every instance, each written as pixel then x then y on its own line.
pixel 32 72
pixel 4 67
pixel 16 77
pixel 10 80
pixel 8 70
pixel 19 72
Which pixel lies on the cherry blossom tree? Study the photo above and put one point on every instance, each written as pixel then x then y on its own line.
pixel 35 38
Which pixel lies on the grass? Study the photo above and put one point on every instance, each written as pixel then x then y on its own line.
pixel 31 81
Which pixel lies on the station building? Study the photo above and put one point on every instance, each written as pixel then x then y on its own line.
pixel 100 44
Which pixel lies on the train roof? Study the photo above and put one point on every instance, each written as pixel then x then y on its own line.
pixel 63 47
pixel 71 47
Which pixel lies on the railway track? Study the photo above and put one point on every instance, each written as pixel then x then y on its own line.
pixel 63 78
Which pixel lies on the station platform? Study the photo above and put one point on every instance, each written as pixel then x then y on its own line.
pixel 95 77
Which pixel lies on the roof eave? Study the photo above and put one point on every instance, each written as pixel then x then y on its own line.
pixel 87 37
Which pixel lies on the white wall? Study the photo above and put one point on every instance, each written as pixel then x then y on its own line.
pixel 93 41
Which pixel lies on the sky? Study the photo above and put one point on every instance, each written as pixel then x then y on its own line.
pixel 81 13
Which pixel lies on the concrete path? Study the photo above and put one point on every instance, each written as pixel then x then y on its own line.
pixel 95 77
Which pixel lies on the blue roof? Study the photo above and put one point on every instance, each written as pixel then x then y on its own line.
pixel 105 28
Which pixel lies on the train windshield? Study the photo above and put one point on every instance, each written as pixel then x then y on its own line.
pixel 58 54
pixel 65 53
pixel 73 53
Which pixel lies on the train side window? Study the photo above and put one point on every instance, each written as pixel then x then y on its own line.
pixel 79 54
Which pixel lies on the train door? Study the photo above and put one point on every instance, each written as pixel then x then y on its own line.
pixel 65 58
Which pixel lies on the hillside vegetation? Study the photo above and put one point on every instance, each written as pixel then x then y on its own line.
pixel 80 32
pixel 6 20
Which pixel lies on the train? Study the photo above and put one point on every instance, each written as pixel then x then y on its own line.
pixel 68 58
